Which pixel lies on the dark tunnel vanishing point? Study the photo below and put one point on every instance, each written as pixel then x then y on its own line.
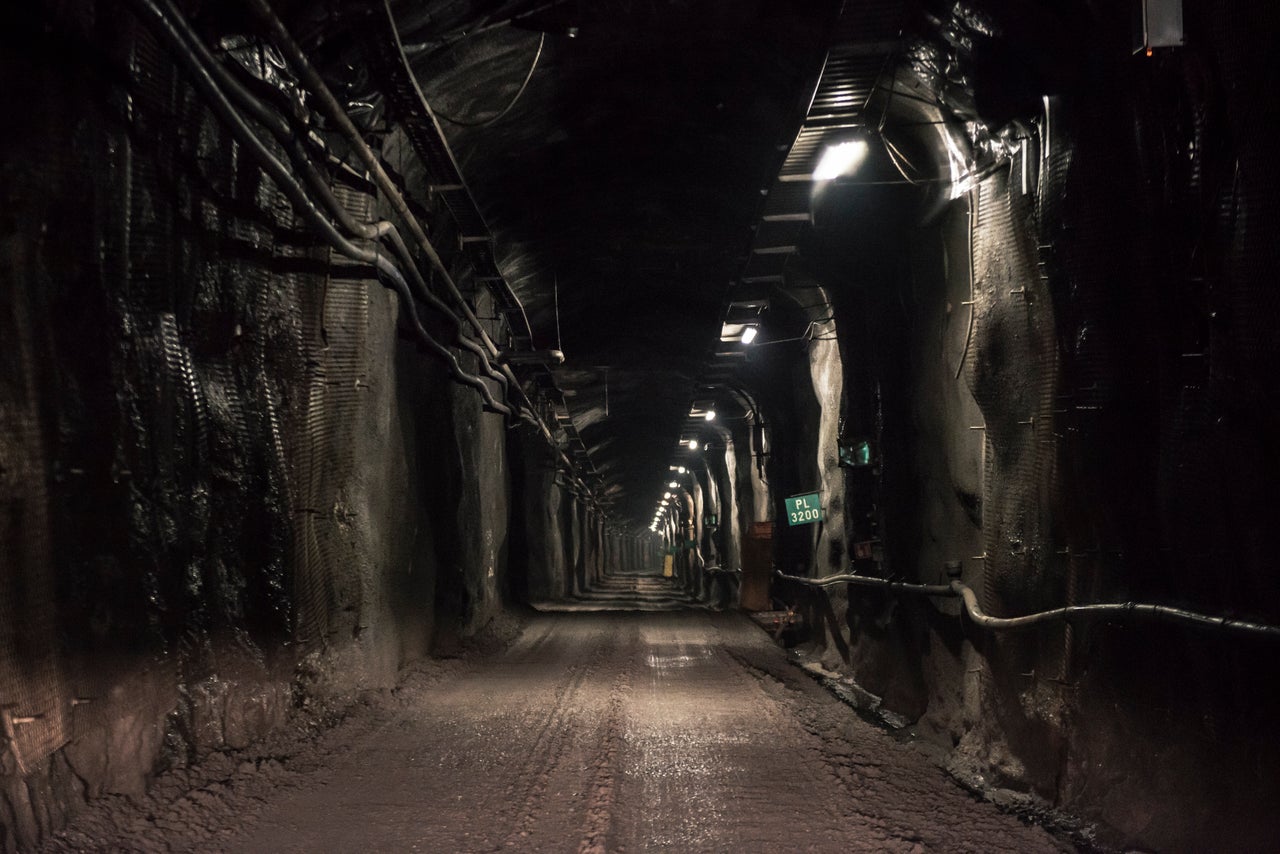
pixel 345 343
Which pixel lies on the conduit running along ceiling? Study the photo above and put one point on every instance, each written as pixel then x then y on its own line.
pixel 623 182
pixel 640 167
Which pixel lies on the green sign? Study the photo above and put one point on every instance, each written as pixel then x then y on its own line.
pixel 855 454
pixel 804 509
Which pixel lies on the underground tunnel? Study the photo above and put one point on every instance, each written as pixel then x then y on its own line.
pixel 534 425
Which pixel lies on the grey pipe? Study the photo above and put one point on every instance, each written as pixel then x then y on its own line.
pixel 316 85
pixel 868 581
pixel 298 197
pixel 1068 613
pixel 282 131
pixel 1102 611
pixel 335 112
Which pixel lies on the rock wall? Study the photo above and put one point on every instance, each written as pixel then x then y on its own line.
pixel 827 377
pixel 549 515
pixel 475 525
pixel 235 489
pixel 1075 401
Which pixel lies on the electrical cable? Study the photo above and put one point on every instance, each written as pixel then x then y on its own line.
pixel 895 156
pixel 281 129
pixel 333 110
pixel 555 280
pixel 807 335
pixel 280 176
pixel 451 39
pixel 328 103
pixel 968 334
pixel 1067 613
pixel 892 150
pixel 468 124
pixel 411 91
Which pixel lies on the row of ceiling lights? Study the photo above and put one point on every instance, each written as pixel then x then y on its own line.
pixel 838 160
pixel 668 497
pixel 705 414
pixel 743 318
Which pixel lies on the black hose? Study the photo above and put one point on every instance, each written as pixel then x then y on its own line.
pixel 1068 613
pixel 301 203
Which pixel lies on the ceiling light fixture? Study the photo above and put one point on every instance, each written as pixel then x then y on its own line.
pixel 840 159
pixel 711 415
pixel 749 334
pixel 532 357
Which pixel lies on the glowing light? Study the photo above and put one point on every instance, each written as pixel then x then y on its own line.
pixel 666 495
pixel 962 178
pixel 673 484
pixel 840 159
pixel 749 334
pixel 711 415
pixel 693 444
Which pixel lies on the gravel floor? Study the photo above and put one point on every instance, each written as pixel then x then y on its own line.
pixel 677 731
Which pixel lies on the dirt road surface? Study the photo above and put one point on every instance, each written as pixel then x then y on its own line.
pixel 622 732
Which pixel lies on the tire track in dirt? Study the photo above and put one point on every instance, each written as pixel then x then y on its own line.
pixel 775 708
pixel 876 780
pixel 599 818
pixel 528 787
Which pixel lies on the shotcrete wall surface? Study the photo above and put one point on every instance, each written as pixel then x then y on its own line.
pixel 479 499
pixel 575 537
pixel 241 495
pixel 548 511
pixel 827 376
pixel 1064 414
pixel 726 534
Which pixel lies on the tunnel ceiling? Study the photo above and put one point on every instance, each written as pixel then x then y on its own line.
pixel 624 180
pixel 620 152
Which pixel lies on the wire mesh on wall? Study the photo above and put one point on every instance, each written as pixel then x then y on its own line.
pixel 335 326
pixel 182 370
pixel 34 705
pixel 1013 375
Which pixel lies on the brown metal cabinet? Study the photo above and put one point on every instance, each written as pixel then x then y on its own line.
pixel 757 568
